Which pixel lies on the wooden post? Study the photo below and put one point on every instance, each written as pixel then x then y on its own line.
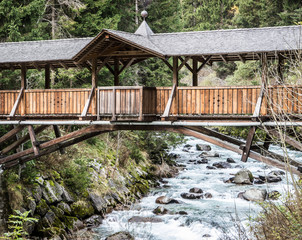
pixel 58 135
pixel 23 76
pixel 23 86
pixel 175 71
pixel 47 76
pixel 246 149
pixel 195 73
pixel 280 69
pixel 113 104
pixel 94 73
pixel 34 142
pixel 116 71
pixel 264 69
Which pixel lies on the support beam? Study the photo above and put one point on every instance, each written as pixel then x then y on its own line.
pixel 195 73
pixel 47 76
pixel 109 68
pixel 64 65
pixel 16 105
pixel 246 149
pixel 94 78
pixel 204 62
pixel 116 71
pixel 223 58
pixel 58 135
pixel 11 134
pixel 234 148
pixel 23 76
pixel 183 62
pixel 128 64
pixel 88 103
pixel 174 88
pixel 35 144
pixel 282 136
pixel 168 64
pixel 113 110
pixel 53 149
pixel 22 140
pixel 52 142
pixel 103 63
pixel 259 102
pixel 242 59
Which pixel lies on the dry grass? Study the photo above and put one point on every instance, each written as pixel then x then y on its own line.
pixel 280 221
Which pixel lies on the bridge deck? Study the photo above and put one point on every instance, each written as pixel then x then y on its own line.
pixel 148 103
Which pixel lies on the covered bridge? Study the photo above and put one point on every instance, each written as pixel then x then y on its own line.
pixel 181 109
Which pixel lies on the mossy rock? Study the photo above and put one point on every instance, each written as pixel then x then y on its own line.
pixel 82 209
pixel 69 221
pixel 58 211
pixel 42 207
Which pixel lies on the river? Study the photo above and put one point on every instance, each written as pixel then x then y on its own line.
pixel 207 218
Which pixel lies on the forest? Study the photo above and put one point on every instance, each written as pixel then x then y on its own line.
pixel 83 174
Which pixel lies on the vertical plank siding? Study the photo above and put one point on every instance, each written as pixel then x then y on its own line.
pixel 135 101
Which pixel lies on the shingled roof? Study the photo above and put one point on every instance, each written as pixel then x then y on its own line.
pixel 231 45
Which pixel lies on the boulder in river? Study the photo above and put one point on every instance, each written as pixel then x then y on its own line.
pixel 230 160
pixel 244 176
pixel 211 167
pixel 94 221
pixel 139 219
pixel 270 178
pixel 208 195
pixel 165 200
pixel 182 213
pixel 195 190
pixel 222 165
pixel 191 196
pixel 202 161
pixel 203 147
pixel 255 195
pixel 160 210
pixel 276 173
pixel 120 236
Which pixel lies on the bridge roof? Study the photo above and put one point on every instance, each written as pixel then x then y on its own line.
pixel 221 45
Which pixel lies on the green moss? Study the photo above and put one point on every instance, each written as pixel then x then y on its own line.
pixel 82 209
pixel 42 207
pixel 69 221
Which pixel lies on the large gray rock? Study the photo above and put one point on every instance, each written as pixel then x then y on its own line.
pixel 93 221
pixel 37 192
pixel 222 165
pixel 195 190
pixel 120 236
pixel 160 210
pixel 244 176
pixel 51 192
pixel 255 195
pixel 203 147
pixel 191 196
pixel 65 207
pixel 98 202
pixel 165 200
pixel 270 178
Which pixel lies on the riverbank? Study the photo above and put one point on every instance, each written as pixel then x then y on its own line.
pixel 71 192
pixel 212 213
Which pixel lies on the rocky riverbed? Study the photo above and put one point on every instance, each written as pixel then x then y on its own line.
pixel 202 202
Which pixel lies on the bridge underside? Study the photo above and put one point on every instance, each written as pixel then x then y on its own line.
pixel 261 153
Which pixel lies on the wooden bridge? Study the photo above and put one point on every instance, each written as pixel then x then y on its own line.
pixel 183 109
pixel 148 103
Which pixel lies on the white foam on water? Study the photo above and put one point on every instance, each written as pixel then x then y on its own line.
pixel 205 216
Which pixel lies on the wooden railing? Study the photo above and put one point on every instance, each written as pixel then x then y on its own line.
pixel 47 102
pixel 137 102
pixel 126 101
